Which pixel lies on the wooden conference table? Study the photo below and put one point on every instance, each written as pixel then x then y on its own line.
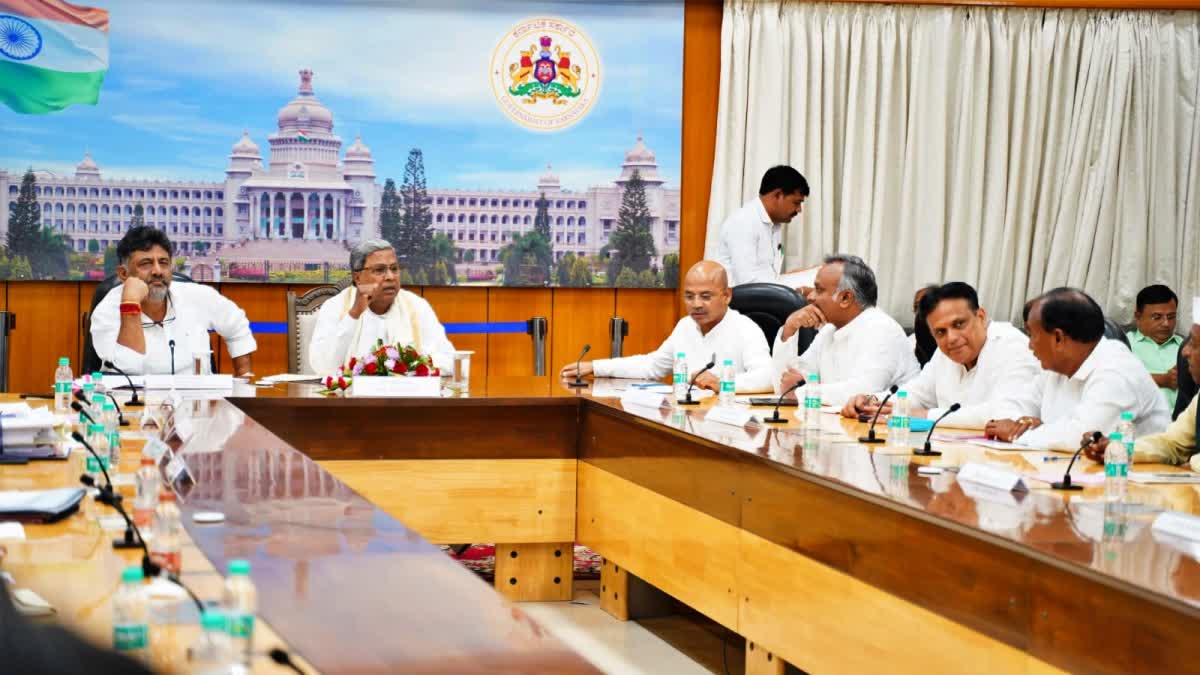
pixel 818 550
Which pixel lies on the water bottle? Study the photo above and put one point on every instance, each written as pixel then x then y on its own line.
pixel 88 389
pixel 1128 434
pixel 145 501
pixel 1116 468
pixel 898 423
pixel 681 376
pixel 112 427
pixel 728 389
pixel 240 602
pixel 63 377
pixel 98 383
pixel 812 401
pixel 99 442
pixel 131 615
pixel 212 652
pixel 168 529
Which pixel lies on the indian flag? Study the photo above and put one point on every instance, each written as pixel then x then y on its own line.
pixel 52 54
pixel 302 137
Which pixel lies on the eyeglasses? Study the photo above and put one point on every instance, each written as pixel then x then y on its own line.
pixel 169 318
pixel 381 270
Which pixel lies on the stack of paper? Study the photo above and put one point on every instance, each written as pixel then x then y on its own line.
pixel 27 432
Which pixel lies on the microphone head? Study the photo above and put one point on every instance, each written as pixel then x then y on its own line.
pixel 894 388
pixel 954 408
pixel 78 396
pixel 77 436
pixel 1096 436
pixel 279 656
pixel 87 480
pixel 76 407
pixel 586 349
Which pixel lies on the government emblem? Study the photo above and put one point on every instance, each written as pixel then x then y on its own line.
pixel 545 74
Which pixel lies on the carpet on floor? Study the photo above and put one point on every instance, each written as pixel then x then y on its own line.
pixel 481 559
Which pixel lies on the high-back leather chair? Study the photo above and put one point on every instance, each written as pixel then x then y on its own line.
pixel 301 318
pixel 769 306
pixel 91 360
pixel 1113 331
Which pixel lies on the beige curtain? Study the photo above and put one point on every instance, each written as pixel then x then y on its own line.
pixel 1015 149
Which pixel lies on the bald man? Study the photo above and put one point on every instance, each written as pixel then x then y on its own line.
pixel 709 328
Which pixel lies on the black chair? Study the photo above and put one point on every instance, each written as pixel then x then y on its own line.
pixel 1113 331
pixel 1187 386
pixel 769 306
pixel 91 360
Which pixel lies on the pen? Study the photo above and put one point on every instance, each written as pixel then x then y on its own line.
pixel 1054 458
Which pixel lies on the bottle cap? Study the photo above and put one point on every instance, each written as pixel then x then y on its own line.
pixel 64 361
pixel 97 376
pixel 814 378
pixel 729 362
pixel 902 394
pixel 213 619
pixel 108 405
pixel 166 496
pixel 132 574
pixel 1114 436
pixel 147 460
pixel 680 355
pixel 239 567
pixel 96 428
pixel 1127 416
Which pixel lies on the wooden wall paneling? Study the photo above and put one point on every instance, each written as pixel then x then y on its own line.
pixel 701 86
pixel 86 289
pixel 580 316
pixel 464 305
pixel 261 302
pixel 651 313
pixel 510 355
pixel 47 328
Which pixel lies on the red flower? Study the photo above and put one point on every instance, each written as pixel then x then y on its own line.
pixel 401 367
pixel 422 370
pixel 342 383
pixel 329 382
pixel 436 371
pixel 353 360
pixel 371 368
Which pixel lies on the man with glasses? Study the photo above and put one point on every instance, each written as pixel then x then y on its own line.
pixel 148 325
pixel 374 308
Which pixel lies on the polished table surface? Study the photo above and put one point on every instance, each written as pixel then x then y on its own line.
pixel 353 590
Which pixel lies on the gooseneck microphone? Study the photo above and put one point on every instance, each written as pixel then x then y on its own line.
pixel 134 401
pixel 79 409
pixel 133 536
pixel 578 376
pixel 121 421
pixel 928 450
pixel 775 418
pixel 171 344
pixel 870 437
pixel 108 487
pixel 280 656
pixel 1065 483
pixel 687 400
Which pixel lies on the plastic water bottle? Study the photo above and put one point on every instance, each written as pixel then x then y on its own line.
pixel 112 427
pixel 1116 468
pixel 98 382
pixel 898 423
pixel 145 501
pixel 680 380
pixel 99 442
pixel 812 401
pixel 168 528
pixel 241 601
pixel 88 389
pixel 131 615
pixel 1128 434
pixel 212 652
pixel 728 388
pixel 63 377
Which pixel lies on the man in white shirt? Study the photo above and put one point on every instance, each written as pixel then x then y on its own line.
pixel 982 365
pixel 148 325
pixel 858 348
pixel 709 328
pixel 1087 380
pixel 374 308
pixel 751 244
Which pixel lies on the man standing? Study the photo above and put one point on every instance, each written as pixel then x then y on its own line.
pixel 977 363
pixel 148 325
pixel 751 244
pixel 859 347
pixel 710 328
pixel 374 308
pixel 1153 339
pixel 1176 445
pixel 1087 380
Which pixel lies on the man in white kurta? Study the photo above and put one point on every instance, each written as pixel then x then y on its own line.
pixel 751 240
pixel 709 329
pixel 1087 379
pixel 374 308
pixel 150 325
pixel 982 365
pixel 858 347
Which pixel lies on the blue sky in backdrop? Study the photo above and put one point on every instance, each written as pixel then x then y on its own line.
pixel 185 78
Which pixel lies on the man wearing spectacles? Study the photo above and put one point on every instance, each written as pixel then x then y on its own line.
pixel 148 325
pixel 374 308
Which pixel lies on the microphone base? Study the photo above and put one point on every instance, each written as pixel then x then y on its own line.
pixel 927 453
pixel 775 419
pixel 121 543
pixel 125 423
pixel 134 404
pixel 870 440
pixel 1065 486
pixel 577 385
pixel 684 401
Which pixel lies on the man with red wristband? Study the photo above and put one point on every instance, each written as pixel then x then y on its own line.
pixel 149 325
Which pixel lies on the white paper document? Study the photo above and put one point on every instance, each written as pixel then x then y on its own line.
pixel 800 277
